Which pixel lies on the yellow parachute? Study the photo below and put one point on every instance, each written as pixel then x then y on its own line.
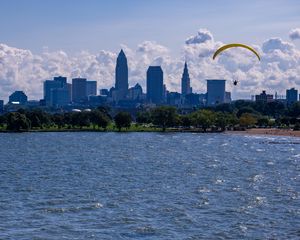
pixel 221 49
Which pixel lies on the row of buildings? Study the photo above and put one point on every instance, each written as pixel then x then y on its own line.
pixel 58 93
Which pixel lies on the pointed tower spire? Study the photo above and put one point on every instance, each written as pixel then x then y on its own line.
pixel 121 75
pixel 185 81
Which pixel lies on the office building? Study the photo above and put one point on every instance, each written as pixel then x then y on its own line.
pixel 227 97
pixel 174 99
pixel 135 93
pixel 215 92
pixel 291 96
pixel 155 85
pixel 79 90
pixel 60 97
pixel 18 97
pixel 264 97
pixel 121 77
pixel 104 92
pixel 185 81
pixel 91 88
pixel 51 85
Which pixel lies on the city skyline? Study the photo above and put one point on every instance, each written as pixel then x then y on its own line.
pixel 24 67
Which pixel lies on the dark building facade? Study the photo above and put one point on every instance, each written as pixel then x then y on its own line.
pixel 91 88
pixel 185 81
pixel 79 90
pixel 121 85
pixel 264 97
pixel 215 92
pixel 51 86
pixel 155 85
pixel 291 96
pixel 18 96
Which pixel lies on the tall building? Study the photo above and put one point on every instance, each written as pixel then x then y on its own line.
pixel 215 92
pixel 60 97
pixel 227 97
pixel 264 97
pixel 57 86
pixel 136 92
pixel 49 85
pixel 291 96
pixel 155 84
pixel 79 90
pixel 121 85
pixel 18 97
pixel 91 88
pixel 185 81
pixel 62 80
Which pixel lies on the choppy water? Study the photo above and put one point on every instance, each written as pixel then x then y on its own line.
pixel 149 186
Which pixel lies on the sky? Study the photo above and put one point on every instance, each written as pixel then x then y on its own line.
pixel 72 37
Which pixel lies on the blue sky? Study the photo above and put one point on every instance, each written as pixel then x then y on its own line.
pixel 40 39
pixel 74 25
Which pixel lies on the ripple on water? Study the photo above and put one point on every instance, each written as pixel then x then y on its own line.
pixel 148 185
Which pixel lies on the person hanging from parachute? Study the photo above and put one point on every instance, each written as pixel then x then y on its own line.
pixel 233 45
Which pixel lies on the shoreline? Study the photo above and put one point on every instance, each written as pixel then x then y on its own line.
pixel 267 132
pixel 252 131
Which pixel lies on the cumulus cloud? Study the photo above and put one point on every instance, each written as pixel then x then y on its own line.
pixel 294 34
pixel 202 36
pixel 276 44
pixel 279 68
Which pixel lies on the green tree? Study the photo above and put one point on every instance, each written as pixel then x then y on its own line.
pixel 2 120
pixel 247 109
pixel 263 121
pixel 222 120
pixel 122 120
pixel 17 122
pixel 186 121
pixel 80 119
pixel 203 118
pixel 294 110
pixel 164 116
pixel 247 120
pixel 58 119
pixel 143 117
pixel 224 107
pixel 99 119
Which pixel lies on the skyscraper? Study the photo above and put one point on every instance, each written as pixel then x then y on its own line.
pixel 59 87
pixel 91 88
pixel 291 96
pixel 60 97
pixel 121 85
pixel 215 92
pixel 79 89
pixel 185 81
pixel 49 85
pixel 155 84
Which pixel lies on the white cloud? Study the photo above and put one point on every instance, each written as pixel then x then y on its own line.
pixel 202 36
pixel 294 34
pixel 279 68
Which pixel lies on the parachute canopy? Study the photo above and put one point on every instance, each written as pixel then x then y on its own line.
pixel 221 49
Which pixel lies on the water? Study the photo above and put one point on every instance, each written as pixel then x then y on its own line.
pixel 149 186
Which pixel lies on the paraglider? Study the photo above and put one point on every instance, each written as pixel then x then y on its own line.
pixel 232 45
pixel 235 82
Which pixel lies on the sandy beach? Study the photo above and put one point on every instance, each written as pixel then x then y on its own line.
pixel 268 131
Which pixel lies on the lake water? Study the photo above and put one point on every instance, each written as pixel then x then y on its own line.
pixel 149 186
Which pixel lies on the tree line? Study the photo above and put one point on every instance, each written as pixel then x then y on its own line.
pixel 238 115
